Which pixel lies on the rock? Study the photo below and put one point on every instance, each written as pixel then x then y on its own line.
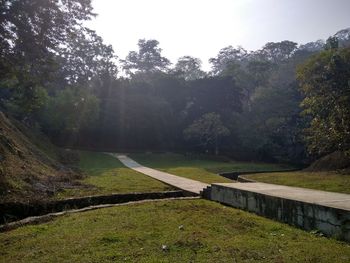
pixel 165 248
pixel 40 187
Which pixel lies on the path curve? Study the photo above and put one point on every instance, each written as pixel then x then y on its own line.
pixel 174 180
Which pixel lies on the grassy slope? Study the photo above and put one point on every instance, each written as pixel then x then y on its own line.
pixel 199 169
pixel 327 181
pixel 106 175
pixel 136 233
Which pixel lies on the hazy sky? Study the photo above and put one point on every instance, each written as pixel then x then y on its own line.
pixel 201 28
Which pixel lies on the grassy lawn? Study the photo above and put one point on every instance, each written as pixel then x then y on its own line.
pixel 135 233
pixel 199 169
pixel 327 181
pixel 106 175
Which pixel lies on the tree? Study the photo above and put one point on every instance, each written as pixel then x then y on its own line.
pixel 227 59
pixel 325 82
pixel 189 68
pixel 147 59
pixel 207 130
pixel 259 71
pixel 270 129
pixel 343 37
pixel 70 111
pixel 147 122
pixel 277 51
pixel 313 46
pixel 32 33
pixel 213 94
pixel 332 43
pixel 85 57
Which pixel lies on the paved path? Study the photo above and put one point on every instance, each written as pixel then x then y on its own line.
pixel 330 199
pixel 177 181
pixel 323 198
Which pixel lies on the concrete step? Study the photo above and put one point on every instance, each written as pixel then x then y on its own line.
pixel 206 193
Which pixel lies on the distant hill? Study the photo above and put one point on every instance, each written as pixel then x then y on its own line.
pixel 29 164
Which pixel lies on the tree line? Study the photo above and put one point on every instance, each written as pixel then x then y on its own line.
pixel 285 102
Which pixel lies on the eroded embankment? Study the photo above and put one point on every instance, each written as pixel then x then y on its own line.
pixel 13 211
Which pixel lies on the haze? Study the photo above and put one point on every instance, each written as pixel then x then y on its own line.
pixel 202 27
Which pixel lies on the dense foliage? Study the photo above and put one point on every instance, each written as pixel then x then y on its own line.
pixel 44 49
pixel 325 80
pixel 58 74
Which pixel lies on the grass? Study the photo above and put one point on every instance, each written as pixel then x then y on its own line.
pixel 106 175
pixel 199 169
pixel 136 233
pixel 326 181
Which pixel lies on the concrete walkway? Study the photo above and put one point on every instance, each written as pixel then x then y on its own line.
pixel 323 198
pixel 177 181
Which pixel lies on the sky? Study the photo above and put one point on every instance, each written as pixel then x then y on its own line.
pixel 200 28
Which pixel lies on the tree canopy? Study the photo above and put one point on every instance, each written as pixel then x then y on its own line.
pixel 325 81
pixel 189 68
pixel 147 59
pixel 59 75
pixel 207 131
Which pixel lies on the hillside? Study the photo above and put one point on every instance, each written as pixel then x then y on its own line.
pixel 335 161
pixel 29 164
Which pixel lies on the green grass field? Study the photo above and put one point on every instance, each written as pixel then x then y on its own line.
pixel 136 233
pixel 106 175
pixel 326 181
pixel 199 169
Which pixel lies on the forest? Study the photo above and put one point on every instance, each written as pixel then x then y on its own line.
pixel 124 154
pixel 286 102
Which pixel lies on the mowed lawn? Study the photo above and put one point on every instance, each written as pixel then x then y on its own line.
pixel 199 169
pixel 167 231
pixel 106 175
pixel 326 181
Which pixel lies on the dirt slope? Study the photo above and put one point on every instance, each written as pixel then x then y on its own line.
pixel 334 161
pixel 29 166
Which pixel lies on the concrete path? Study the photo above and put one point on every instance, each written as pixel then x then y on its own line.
pixel 323 198
pixel 177 181
pixel 329 199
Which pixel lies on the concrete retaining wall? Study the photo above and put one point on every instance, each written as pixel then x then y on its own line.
pixel 330 221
